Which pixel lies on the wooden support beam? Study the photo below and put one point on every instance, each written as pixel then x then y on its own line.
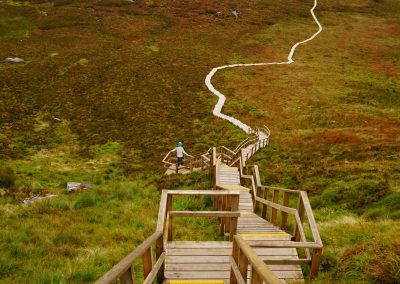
pixel 169 228
pixel 243 264
pixel 284 215
pixel 300 210
pixel 235 277
pixel 255 277
pixel 275 199
pixel 128 277
pixel 315 262
pixel 158 266
pixel 159 253
pixel 264 206
pixel 147 262
pixel 234 219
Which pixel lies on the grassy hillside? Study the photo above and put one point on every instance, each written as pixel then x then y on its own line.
pixel 108 86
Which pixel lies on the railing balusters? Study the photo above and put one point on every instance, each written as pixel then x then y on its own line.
pixel 264 206
pixel 284 215
pixel 300 210
pixel 147 262
pixel 128 277
pixel 315 262
pixel 234 221
pixel 275 199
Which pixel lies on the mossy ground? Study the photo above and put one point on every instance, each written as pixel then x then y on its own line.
pixel 108 87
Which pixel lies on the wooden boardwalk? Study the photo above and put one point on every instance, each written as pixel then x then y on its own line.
pixel 189 261
pixel 263 244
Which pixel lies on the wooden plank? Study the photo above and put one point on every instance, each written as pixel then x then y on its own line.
pixel 202 192
pixel 265 235
pixel 199 251
pixel 198 274
pixel 191 244
pixel 280 238
pixel 204 214
pixel 197 259
pixel 197 266
pixel 275 251
pixel 193 281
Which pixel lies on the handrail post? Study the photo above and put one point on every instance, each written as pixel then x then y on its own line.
pixel 128 276
pixel 284 215
pixel 214 168
pixel 264 206
pixel 202 163
pixel 223 208
pixel 159 251
pixel 169 228
pixel 235 256
pixel 169 218
pixel 255 278
pixel 147 262
pixel 243 264
pixel 274 212
pixel 315 262
pixel 234 220
pixel 300 210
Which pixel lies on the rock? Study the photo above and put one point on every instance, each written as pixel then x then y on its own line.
pixel 235 13
pixel 44 150
pixel 57 119
pixel 83 61
pixel 13 60
pixel 74 186
pixel 34 199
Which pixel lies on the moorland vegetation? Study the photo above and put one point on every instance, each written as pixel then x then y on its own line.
pixel 108 87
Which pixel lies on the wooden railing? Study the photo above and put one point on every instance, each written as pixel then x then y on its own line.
pixel 224 154
pixel 226 209
pixel 191 163
pixel 242 256
pixel 276 206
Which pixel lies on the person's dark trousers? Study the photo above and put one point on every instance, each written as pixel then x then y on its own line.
pixel 180 161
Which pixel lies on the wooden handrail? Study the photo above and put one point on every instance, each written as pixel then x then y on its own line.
pixel 283 244
pixel 310 217
pixel 126 263
pixel 303 207
pixel 260 270
pixel 156 269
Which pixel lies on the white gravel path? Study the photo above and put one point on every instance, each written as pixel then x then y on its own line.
pixel 221 98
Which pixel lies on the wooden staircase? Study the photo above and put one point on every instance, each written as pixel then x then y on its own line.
pixel 266 238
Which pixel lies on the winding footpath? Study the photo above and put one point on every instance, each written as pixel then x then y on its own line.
pixel 221 97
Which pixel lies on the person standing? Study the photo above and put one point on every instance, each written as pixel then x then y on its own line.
pixel 180 153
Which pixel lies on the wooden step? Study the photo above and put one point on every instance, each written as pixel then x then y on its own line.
pixel 193 281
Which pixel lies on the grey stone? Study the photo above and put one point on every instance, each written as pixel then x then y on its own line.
pixel 13 60
pixel 74 186
pixel 34 199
